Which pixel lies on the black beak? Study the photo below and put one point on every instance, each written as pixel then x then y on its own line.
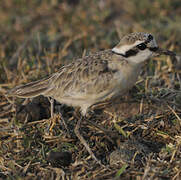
pixel 160 51
pixel 176 59
pixel 165 52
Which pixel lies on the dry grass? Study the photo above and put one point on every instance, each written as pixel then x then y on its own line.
pixel 37 38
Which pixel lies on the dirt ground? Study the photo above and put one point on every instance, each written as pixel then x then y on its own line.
pixel 142 137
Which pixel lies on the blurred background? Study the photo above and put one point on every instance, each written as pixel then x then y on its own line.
pixel 37 37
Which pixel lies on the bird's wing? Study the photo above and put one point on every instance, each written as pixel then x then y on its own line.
pixel 80 78
pixel 31 89
pixel 83 77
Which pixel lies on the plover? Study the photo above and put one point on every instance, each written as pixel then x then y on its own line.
pixel 95 78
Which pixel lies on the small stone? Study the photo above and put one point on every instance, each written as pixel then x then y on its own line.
pixel 59 159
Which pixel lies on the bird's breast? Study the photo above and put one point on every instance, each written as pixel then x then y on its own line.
pixel 125 78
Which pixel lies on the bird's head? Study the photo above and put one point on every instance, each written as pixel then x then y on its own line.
pixel 137 47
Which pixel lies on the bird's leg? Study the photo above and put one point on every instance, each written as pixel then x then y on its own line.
pixel 64 123
pixel 51 100
pixel 82 140
pixel 108 133
pixel 51 125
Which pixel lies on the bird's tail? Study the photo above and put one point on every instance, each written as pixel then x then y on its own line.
pixel 31 89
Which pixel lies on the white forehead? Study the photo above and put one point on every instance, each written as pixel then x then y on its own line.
pixel 124 48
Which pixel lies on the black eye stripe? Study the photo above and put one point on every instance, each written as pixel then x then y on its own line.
pixel 150 37
pixel 136 49
pixel 131 53
pixel 128 53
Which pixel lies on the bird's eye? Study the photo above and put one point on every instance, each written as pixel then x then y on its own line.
pixel 141 46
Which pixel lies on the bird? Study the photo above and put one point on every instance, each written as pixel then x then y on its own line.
pixel 97 77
